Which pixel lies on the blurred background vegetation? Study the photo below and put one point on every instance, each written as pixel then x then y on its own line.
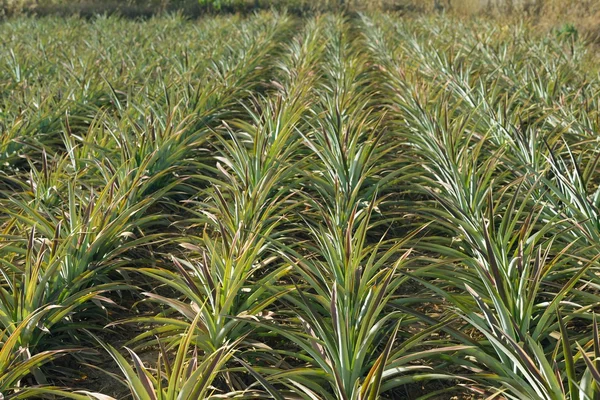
pixel 547 8
pixel 582 15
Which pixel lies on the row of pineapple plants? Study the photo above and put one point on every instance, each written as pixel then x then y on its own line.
pixel 337 207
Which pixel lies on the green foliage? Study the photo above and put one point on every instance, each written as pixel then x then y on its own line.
pixel 216 5
pixel 567 32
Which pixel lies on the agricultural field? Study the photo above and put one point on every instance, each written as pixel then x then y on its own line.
pixel 346 206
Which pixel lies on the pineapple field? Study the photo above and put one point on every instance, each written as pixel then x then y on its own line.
pixel 350 206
